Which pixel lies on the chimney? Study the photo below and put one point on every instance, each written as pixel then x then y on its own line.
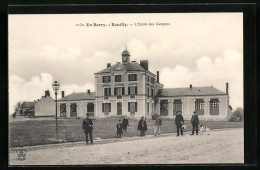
pixel 47 93
pixel 88 91
pixel 158 77
pixel 62 94
pixel 227 88
pixel 144 64
pixel 190 86
pixel 108 65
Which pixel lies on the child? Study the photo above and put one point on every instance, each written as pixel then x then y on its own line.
pixel 119 129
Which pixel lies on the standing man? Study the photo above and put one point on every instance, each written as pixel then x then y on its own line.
pixel 125 124
pixel 158 124
pixel 179 121
pixel 194 122
pixel 142 127
pixel 119 129
pixel 88 128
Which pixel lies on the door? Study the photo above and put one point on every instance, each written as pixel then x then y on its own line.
pixel 119 108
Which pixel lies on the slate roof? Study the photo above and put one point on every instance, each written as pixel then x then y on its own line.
pixel 133 66
pixel 194 91
pixel 79 96
pixel 27 105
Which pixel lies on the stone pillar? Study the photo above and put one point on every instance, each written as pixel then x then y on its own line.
pixel 170 107
pixel 68 109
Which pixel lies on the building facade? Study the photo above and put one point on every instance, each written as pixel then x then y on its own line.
pixel 45 106
pixel 129 88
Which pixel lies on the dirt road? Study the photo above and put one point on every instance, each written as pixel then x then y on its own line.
pixel 224 146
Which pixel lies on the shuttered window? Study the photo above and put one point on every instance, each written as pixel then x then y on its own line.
pixel 132 107
pixel 132 77
pixel 106 79
pixel 132 90
pixel 106 107
pixel 107 91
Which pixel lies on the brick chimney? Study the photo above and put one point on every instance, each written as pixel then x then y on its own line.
pixel 108 65
pixel 227 88
pixel 88 91
pixel 158 77
pixel 144 64
pixel 62 94
pixel 47 93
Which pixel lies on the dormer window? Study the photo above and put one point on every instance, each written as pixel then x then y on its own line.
pixel 118 78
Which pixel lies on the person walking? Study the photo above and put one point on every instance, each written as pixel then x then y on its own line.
pixel 158 124
pixel 88 128
pixel 142 127
pixel 125 124
pixel 179 121
pixel 194 122
pixel 119 129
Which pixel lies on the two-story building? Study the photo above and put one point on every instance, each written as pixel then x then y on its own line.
pixel 129 88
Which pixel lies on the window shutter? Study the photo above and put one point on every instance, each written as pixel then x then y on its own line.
pixel 135 77
pixel 135 106
pixel 103 78
pixel 102 107
pixel 104 91
pixel 136 90
pixel 123 91
pixel 109 79
pixel 109 91
pixel 128 90
pixel 109 107
pixel 115 91
pixel 128 106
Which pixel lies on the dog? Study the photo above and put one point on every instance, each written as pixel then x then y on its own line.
pixel 183 126
pixel 204 129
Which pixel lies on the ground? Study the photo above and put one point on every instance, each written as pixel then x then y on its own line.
pixel 40 131
pixel 220 146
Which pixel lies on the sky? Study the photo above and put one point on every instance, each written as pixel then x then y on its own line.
pixel 201 49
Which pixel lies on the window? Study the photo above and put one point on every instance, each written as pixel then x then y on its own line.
pixel 118 78
pixel 73 110
pixel 63 108
pixel 106 107
pixel 177 106
pixel 132 107
pixel 132 90
pixel 152 93
pixel 106 79
pixel 148 91
pixel 199 106
pixel 214 106
pixel 90 107
pixel 107 91
pixel 152 80
pixel 147 78
pixel 148 108
pixel 119 91
pixel 132 77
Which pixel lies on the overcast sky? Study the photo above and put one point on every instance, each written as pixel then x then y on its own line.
pixel 201 49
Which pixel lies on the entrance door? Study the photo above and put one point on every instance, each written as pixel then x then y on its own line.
pixel 119 108
pixel 164 108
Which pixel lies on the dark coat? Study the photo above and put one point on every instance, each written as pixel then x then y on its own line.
pixel 158 122
pixel 87 125
pixel 140 127
pixel 195 120
pixel 119 128
pixel 179 119
pixel 125 123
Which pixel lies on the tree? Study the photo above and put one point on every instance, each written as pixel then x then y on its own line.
pixel 237 115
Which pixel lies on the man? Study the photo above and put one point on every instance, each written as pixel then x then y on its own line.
pixel 88 128
pixel 179 121
pixel 142 127
pixel 194 122
pixel 125 124
pixel 119 129
pixel 158 124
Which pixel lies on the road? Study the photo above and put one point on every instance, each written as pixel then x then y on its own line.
pixel 222 146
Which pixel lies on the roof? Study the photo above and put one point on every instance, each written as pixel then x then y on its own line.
pixel 27 105
pixel 133 66
pixel 79 96
pixel 194 91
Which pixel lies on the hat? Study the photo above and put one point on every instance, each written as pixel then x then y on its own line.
pixel 142 117
pixel 194 112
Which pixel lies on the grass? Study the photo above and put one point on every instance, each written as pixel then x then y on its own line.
pixel 37 132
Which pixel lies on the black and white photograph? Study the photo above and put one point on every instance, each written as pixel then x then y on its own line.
pixel 126 88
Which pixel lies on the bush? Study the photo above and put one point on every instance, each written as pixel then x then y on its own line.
pixel 237 115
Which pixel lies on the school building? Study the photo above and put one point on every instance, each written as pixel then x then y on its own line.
pixel 129 88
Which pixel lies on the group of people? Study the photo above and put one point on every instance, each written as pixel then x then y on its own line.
pixel 121 127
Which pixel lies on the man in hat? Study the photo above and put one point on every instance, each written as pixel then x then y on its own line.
pixel 179 121
pixel 125 124
pixel 194 122
pixel 142 127
pixel 88 128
